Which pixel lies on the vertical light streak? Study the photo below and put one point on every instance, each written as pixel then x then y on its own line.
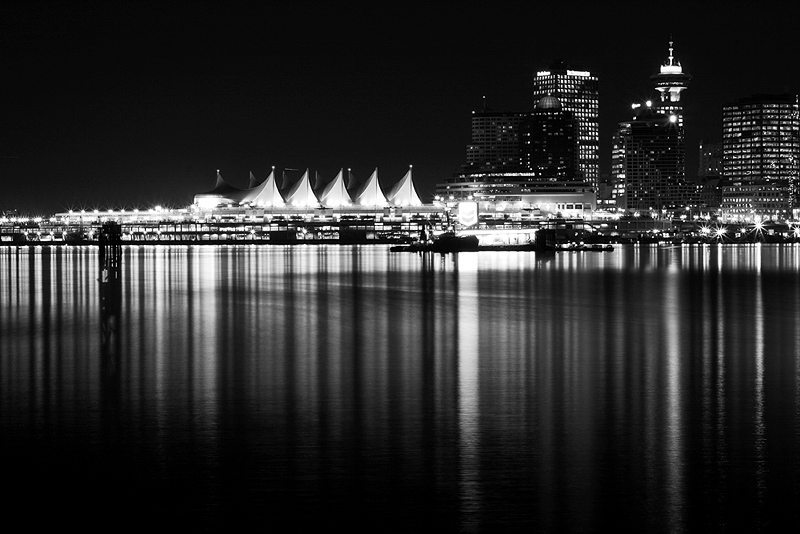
pixel 675 461
pixel 760 435
pixel 468 391
pixel 721 412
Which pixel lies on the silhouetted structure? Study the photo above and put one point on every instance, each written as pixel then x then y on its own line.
pixel 649 151
pixel 760 154
pixel 578 92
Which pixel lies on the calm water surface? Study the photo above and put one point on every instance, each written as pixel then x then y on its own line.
pixel 282 388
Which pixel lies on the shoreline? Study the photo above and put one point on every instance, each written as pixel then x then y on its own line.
pixel 398 246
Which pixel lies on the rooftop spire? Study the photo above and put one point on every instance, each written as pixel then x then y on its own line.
pixel 671 56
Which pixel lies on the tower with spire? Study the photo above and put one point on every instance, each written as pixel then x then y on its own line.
pixel 670 81
pixel 648 154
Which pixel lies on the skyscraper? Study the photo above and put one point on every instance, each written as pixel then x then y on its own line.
pixel 760 155
pixel 670 81
pixel 709 173
pixel 495 141
pixel 519 162
pixel 548 140
pixel 577 90
pixel 648 162
pixel 649 152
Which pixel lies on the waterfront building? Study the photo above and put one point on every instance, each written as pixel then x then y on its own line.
pixel 750 202
pixel 648 154
pixel 710 161
pixel 670 81
pixel 760 156
pixel 523 161
pixel 301 194
pixel 578 92
pixel 335 193
pixel 370 192
pixel 548 140
pixel 403 193
pixel 495 143
pixel 709 174
pixel 648 162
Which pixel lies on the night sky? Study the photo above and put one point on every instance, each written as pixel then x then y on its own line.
pixel 128 105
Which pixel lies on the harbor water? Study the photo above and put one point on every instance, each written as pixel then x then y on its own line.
pixel 319 386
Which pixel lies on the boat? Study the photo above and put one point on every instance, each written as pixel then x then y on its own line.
pixel 450 242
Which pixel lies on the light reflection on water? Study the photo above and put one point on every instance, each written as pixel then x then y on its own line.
pixel 648 388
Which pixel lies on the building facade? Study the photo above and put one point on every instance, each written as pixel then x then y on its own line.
pixel 670 81
pixel 495 143
pixel 709 173
pixel 578 92
pixel 649 151
pixel 523 161
pixel 760 155
pixel 648 163
pixel 549 139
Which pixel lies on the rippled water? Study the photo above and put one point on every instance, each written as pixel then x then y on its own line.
pixel 647 388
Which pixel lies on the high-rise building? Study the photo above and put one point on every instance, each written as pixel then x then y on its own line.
pixel 709 173
pixel 577 90
pixel 495 141
pixel 648 162
pixel 710 165
pixel 523 161
pixel 548 140
pixel 670 81
pixel 760 156
pixel 649 151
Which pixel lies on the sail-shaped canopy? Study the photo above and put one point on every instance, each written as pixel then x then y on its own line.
pixel 370 193
pixel 403 192
pixel 335 193
pixel 318 181
pixel 253 181
pixel 267 194
pixel 301 193
pixel 222 194
pixel 351 180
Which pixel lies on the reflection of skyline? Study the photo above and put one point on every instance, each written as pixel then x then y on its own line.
pixel 333 373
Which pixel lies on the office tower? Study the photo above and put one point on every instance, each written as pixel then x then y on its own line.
pixel 577 90
pixel 760 154
pixel 520 162
pixel 670 81
pixel 548 140
pixel 709 173
pixel 710 165
pixel 495 141
pixel 648 162
pixel 648 155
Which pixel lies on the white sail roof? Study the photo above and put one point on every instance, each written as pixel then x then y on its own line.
pixel 301 193
pixel 403 192
pixel 335 193
pixel 267 194
pixel 223 193
pixel 253 181
pixel 351 180
pixel 370 193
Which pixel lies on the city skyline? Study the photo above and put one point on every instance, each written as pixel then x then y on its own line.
pixel 126 107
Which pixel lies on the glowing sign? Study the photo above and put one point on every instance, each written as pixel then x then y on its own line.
pixel 468 213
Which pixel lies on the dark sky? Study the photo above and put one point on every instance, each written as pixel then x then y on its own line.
pixel 113 105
